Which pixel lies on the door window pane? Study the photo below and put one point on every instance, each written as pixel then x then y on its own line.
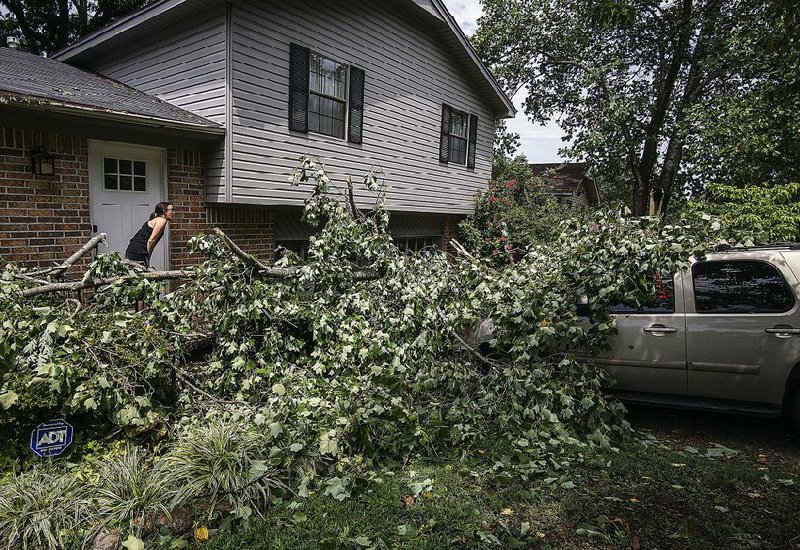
pixel 124 174
pixel 740 287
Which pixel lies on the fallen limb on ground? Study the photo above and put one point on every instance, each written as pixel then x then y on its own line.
pixel 262 269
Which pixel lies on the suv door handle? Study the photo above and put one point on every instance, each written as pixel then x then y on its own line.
pixel 782 332
pixel 660 329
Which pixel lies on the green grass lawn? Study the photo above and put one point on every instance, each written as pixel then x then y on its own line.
pixel 662 490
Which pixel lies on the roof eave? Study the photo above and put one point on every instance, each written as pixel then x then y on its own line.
pixel 43 104
pixel 121 25
pixel 510 110
pixel 505 107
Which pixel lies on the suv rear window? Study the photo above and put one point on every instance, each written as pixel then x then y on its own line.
pixel 740 287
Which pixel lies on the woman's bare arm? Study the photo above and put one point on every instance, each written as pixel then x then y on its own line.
pixel 158 229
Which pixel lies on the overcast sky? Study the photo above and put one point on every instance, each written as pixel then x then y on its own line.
pixel 538 143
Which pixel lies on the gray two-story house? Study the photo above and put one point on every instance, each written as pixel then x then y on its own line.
pixel 392 85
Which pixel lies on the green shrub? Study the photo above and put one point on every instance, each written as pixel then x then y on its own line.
pixel 515 213
pixel 39 507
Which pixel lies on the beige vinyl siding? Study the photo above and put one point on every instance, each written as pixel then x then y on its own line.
pixel 408 77
pixel 186 69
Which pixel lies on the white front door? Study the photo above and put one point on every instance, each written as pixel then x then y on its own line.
pixel 126 182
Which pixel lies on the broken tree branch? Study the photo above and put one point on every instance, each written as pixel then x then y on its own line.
pixel 233 247
pixel 74 286
pixel 69 262
pixel 81 285
pixel 281 272
pixel 353 210
pixel 460 249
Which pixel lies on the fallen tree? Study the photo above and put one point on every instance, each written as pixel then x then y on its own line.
pixel 350 358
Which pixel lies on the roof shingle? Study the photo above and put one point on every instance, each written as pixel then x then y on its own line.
pixel 27 78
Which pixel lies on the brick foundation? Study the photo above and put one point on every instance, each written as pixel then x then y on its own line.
pixel 450 232
pixel 250 227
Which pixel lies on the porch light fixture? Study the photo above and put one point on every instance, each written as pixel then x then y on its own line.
pixel 42 162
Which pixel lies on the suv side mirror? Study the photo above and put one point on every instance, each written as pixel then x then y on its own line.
pixel 582 305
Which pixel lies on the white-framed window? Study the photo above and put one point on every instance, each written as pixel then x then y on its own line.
pixel 124 174
pixel 326 96
pixel 327 99
pixel 458 137
pixel 409 245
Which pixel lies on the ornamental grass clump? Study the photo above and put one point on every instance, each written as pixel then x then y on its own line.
pixel 227 462
pixel 131 491
pixel 39 508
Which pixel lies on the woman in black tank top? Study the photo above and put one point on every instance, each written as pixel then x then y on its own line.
pixel 141 245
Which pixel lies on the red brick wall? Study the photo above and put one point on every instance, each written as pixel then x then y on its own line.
pixel 46 218
pixel 450 232
pixel 249 227
pixel 42 218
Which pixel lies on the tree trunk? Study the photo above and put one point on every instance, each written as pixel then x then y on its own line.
pixel 82 26
pixel 693 90
pixel 17 8
pixel 665 89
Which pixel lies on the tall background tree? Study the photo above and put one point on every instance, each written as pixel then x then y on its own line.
pixel 658 96
pixel 46 26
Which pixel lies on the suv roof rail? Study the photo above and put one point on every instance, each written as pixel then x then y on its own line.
pixel 730 248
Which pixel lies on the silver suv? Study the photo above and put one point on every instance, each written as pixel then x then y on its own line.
pixel 723 335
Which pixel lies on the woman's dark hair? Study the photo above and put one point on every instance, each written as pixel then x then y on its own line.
pixel 159 209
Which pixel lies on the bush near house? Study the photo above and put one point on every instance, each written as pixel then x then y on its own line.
pixel 515 213
pixel 254 384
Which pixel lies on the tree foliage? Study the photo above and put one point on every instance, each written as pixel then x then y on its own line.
pixel 759 214
pixel 47 26
pixel 654 94
pixel 327 374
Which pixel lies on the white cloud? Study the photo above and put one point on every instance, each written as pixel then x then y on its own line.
pixel 466 13
pixel 538 143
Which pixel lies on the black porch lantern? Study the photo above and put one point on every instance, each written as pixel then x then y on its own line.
pixel 42 162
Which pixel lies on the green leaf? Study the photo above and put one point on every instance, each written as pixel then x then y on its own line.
pixel 276 428
pixel 8 399
pixel 132 543
pixel 279 389
pixel 407 531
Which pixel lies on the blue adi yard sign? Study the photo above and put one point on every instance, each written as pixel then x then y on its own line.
pixel 51 438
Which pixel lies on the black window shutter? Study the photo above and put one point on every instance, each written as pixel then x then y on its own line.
pixel 298 88
pixel 444 137
pixel 356 122
pixel 473 140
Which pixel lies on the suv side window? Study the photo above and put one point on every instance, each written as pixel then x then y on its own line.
pixel 663 301
pixel 742 286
